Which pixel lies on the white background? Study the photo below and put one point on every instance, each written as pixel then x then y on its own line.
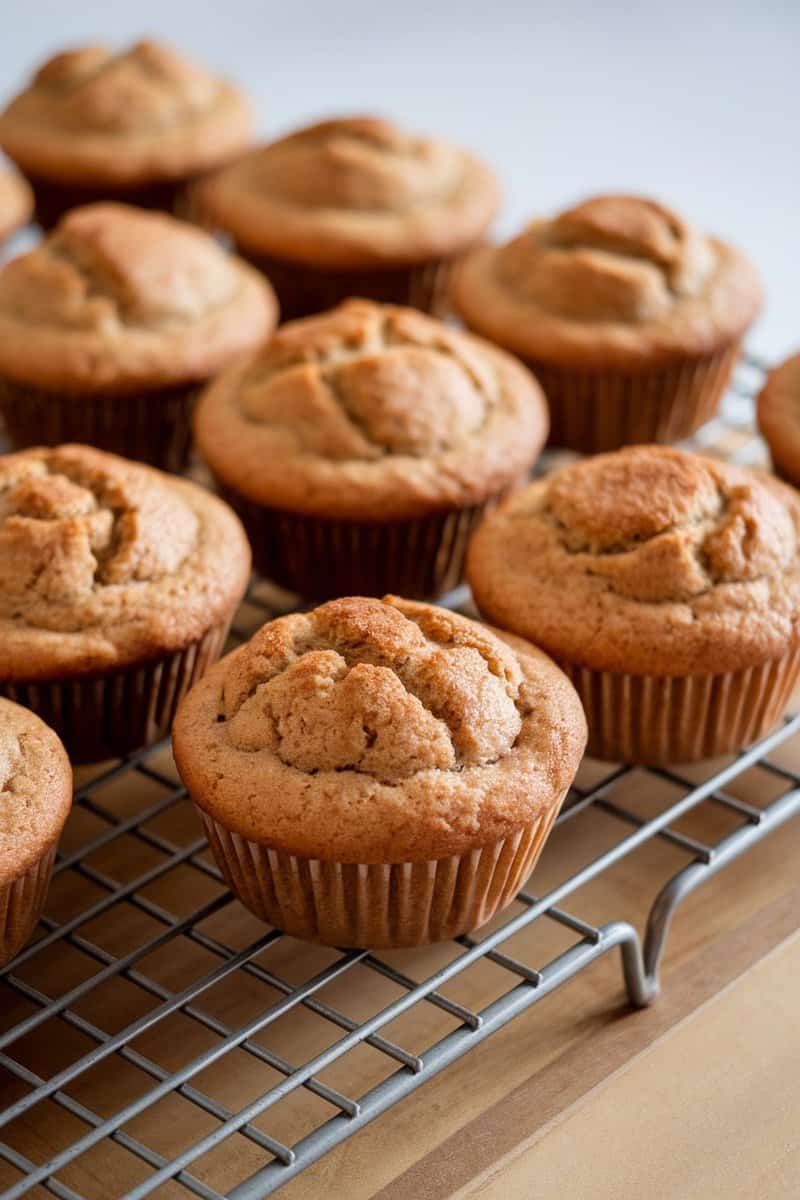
pixel 696 104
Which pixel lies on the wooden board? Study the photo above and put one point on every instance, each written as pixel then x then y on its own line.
pixel 463 1126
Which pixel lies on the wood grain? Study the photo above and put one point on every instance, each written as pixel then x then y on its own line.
pixel 490 1106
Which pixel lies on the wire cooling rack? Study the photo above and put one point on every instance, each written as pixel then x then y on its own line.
pixel 150 992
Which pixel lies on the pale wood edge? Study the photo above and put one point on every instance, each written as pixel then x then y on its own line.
pixel 522 1117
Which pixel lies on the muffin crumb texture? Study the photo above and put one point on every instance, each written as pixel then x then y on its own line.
pixel 647 561
pixel 615 281
pixel 381 728
pixel 92 115
pixel 372 409
pixel 35 789
pixel 354 191
pixel 117 297
pixel 104 560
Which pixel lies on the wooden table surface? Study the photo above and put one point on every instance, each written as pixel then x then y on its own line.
pixel 697 1095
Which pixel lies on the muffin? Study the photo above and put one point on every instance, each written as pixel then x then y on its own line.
pixel 16 204
pixel 666 586
pixel 352 207
pixel 362 446
pixel 779 418
pixel 117 586
pixel 378 772
pixel 135 126
pixel 631 319
pixel 35 799
pixel 110 326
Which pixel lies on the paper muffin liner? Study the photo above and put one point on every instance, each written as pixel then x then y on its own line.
pixel 378 905
pixel 303 290
pixel 321 558
pixel 657 720
pixel 150 426
pixel 51 200
pixel 594 411
pixel 112 714
pixel 21 904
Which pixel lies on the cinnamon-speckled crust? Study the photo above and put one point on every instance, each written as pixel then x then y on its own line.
pixel 379 731
pixel 141 115
pixel 647 561
pixel 105 563
pixel 16 203
pixel 779 416
pixel 116 298
pixel 35 790
pixel 372 411
pixel 618 281
pixel 353 192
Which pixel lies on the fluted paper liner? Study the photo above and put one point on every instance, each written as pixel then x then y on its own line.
pixel 52 200
pixel 378 905
pixel 303 290
pixel 150 426
pixel 114 713
pixel 658 720
pixel 21 904
pixel 321 559
pixel 594 411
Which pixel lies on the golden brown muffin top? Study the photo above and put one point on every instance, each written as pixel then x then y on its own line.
pixel 647 561
pixel 615 281
pixel 135 116
pixel 116 298
pixel 16 203
pixel 105 562
pixel 371 411
pixel 353 192
pixel 35 790
pixel 379 731
pixel 779 416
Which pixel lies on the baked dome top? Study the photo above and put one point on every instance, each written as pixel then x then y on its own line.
pixel 779 415
pixel 351 192
pixel 616 280
pixel 379 730
pixel 16 203
pixel 117 297
pixel 105 562
pixel 649 561
pixel 35 789
pixel 95 116
pixel 371 410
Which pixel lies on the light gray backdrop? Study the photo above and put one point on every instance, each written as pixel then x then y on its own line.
pixel 697 104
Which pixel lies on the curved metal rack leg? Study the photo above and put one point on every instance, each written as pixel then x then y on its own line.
pixel 642 969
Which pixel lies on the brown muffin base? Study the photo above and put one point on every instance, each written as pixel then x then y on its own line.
pixel 656 720
pixel 51 200
pixel 112 714
pixel 303 290
pixel 21 904
pixel 152 427
pixel 321 559
pixel 595 411
pixel 378 905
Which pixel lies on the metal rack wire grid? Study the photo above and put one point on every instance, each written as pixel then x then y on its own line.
pixel 140 925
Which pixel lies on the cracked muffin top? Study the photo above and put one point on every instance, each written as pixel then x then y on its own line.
pixel 35 789
pixel 116 298
pixel 372 410
pixel 617 281
pixel 105 562
pixel 649 561
pixel 379 731
pixel 353 192
pixel 779 416
pixel 139 115
pixel 16 203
